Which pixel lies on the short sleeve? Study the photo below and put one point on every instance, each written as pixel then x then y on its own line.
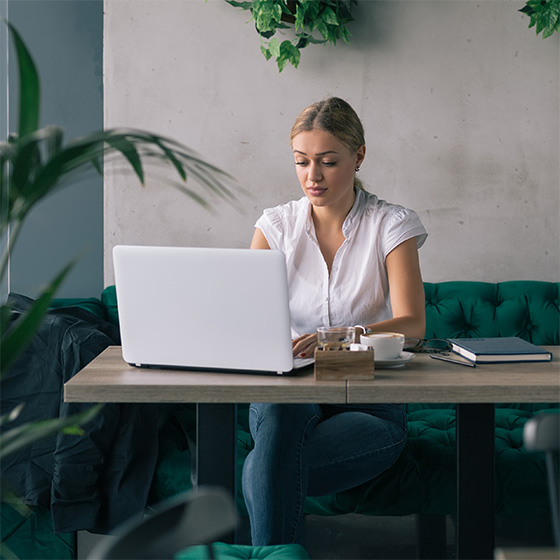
pixel 270 223
pixel 402 225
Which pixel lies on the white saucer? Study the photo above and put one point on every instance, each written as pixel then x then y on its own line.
pixel 399 361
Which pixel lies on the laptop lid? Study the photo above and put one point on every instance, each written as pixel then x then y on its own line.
pixel 202 308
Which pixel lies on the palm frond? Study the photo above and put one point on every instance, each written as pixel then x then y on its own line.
pixel 20 437
pixel 29 90
pixel 15 339
pixel 37 162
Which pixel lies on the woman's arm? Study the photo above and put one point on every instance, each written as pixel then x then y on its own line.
pixel 259 240
pixel 406 291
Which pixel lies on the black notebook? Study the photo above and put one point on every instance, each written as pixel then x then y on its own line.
pixel 499 349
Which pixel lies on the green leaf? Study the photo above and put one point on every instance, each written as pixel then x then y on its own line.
pixel 299 21
pixel 312 9
pixel 274 47
pixel 544 16
pixel 288 53
pixel 53 140
pixel 329 17
pixel 332 34
pixel 244 5
pixel 171 157
pixel 533 20
pixel 12 415
pixel 264 18
pixel 266 52
pixel 22 436
pixel 276 13
pixel 15 340
pixel 5 318
pixel 541 23
pixel 26 162
pixel 345 34
pixel 29 90
pixel 316 41
pixel 6 552
pixel 281 62
pixel 42 180
pixel 550 16
pixel 129 151
pixel 10 498
pixel 303 41
pixel 323 29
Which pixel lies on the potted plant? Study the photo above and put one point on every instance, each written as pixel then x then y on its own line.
pixel 545 16
pixel 36 162
pixel 314 21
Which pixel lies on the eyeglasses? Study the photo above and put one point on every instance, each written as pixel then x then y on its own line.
pixel 427 345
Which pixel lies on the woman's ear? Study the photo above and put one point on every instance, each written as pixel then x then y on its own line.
pixel 360 156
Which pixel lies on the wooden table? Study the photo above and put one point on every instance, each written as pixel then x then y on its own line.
pixel 475 390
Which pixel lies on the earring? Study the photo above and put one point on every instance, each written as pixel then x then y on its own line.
pixel 357 169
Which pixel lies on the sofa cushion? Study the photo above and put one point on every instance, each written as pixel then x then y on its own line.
pixel 92 304
pixel 528 309
pixel 223 551
pixel 109 299
pixel 31 535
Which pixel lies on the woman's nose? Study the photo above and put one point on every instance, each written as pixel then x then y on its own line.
pixel 314 172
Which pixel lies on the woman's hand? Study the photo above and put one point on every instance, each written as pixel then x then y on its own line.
pixel 304 346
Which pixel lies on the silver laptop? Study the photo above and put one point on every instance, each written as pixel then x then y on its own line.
pixel 204 309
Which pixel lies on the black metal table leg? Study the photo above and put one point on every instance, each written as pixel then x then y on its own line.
pixel 475 481
pixel 216 448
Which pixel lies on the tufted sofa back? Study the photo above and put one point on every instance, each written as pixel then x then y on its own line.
pixel 528 309
pixel 524 308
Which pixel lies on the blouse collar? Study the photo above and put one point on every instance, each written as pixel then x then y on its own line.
pixel 351 221
pixel 355 214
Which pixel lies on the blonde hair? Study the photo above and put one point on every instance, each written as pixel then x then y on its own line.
pixel 337 117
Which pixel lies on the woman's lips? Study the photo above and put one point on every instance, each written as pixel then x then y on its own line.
pixel 316 191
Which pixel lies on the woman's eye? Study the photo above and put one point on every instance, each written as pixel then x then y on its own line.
pixel 302 163
pixel 329 163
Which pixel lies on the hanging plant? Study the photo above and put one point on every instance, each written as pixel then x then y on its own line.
pixel 314 21
pixel 544 14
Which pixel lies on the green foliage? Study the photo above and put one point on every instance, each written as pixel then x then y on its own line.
pixel 544 16
pixel 313 21
pixel 34 163
pixel 15 439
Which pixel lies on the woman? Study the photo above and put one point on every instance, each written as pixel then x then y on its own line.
pixel 351 259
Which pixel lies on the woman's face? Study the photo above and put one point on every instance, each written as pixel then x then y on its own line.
pixel 325 168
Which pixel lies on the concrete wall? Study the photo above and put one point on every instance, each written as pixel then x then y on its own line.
pixel 460 101
pixel 65 39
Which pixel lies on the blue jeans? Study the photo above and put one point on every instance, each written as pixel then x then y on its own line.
pixel 313 450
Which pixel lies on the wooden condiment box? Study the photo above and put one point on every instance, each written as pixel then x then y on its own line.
pixel 344 364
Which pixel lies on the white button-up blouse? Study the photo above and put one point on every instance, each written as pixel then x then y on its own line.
pixel 357 289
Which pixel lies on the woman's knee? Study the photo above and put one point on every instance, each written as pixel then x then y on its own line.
pixel 284 418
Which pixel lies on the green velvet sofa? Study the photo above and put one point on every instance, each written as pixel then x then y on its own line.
pixel 422 481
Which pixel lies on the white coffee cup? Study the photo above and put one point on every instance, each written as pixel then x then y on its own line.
pixel 386 345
